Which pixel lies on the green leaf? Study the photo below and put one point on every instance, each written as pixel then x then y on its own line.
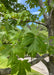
pixel 24 65
pixel 42 11
pixel 28 39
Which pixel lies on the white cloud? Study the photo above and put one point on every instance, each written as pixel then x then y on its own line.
pixel 37 12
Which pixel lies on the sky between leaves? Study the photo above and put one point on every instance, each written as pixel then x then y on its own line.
pixel 33 10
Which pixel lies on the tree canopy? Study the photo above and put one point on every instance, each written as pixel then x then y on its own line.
pixel 29 40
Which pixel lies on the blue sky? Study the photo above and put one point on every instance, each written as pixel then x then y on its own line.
pixel 33 10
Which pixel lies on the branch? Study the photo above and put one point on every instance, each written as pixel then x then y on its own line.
pixel 40 58
pixel 5 71
pixel 42 6
pixel 44 61
pixel 37 22
pixel 29 21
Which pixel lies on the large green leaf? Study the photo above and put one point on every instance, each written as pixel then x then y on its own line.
pixel 24 65
pixel 35 42
pixel 18 66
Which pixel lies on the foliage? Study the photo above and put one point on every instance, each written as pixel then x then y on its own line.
pixel 16 42
pixel 3 64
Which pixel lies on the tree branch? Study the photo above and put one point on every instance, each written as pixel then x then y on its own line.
pixel 29 21
pixel 5 71
pixel 37 22
pixel 40 58
pixel 44 61
pixel 42 6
